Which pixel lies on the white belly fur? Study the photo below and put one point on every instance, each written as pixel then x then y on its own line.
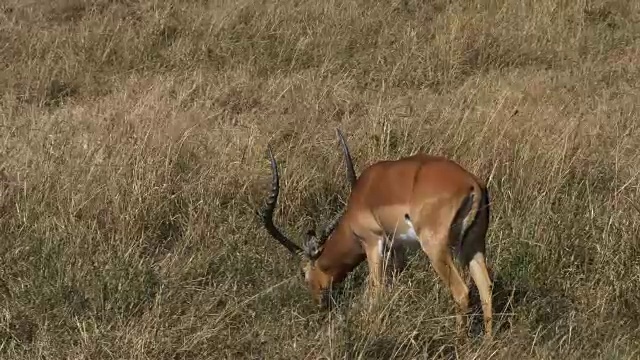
pixel 405 235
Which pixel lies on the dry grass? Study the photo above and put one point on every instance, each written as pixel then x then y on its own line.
pixel 133 138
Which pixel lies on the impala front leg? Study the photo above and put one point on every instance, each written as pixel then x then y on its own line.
pixel 374 250
pixel 396 262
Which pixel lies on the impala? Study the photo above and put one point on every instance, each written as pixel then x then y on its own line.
pixel 427 201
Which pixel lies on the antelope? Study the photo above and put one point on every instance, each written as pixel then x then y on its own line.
pixel 430 202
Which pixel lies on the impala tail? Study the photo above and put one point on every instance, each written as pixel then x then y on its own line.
pixel 470 225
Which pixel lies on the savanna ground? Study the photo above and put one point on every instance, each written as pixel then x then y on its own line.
pixel 133 148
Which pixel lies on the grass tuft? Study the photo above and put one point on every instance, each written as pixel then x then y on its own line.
pixel 132 149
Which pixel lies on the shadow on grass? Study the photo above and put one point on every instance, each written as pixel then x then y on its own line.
pixel 545 303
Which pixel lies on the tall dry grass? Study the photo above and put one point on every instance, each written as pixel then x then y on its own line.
pixel 133 138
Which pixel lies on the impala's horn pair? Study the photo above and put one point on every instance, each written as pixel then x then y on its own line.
pixel 312 247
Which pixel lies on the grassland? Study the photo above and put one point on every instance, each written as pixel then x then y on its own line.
pixel 132 148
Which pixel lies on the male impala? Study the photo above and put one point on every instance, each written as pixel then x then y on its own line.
pixel 424 200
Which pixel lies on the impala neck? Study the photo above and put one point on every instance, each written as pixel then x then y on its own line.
pixel 342 252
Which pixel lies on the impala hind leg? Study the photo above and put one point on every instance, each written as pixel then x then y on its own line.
pixel 480 275
pixel 443 264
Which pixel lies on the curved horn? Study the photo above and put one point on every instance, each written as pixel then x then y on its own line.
pixel 351 173
pixel 351 178
pixel 329 228
pixel 267 213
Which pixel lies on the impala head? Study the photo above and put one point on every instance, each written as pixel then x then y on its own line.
pixel 318 281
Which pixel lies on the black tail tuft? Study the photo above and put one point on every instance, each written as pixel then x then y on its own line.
pixel 470 241
pixel 457 227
